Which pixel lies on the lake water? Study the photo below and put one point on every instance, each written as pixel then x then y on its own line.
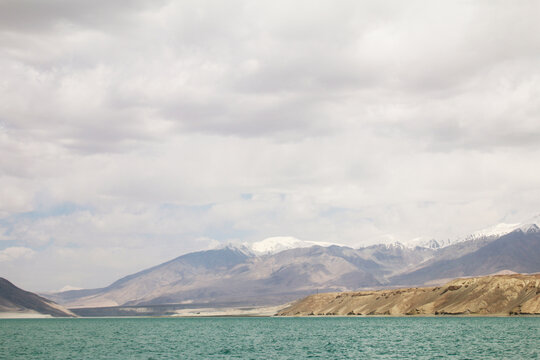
pixel 271 338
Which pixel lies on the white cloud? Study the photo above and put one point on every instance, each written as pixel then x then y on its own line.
pixel 16 252
pixel 164 127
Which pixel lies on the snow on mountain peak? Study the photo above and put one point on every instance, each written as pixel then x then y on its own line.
pixel 501 229
pixel 423 242
pixel 496 230
pixel 273 245
pixel 492 232
pixel 394 245
pixel 529 228
pixel 237 246
pixel 431 244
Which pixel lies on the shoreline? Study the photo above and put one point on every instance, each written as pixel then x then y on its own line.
pixel 25 315
pixel 15 316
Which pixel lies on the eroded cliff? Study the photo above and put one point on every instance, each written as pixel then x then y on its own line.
pixel 488 295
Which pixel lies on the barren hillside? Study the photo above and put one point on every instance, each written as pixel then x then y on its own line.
pixel 488 295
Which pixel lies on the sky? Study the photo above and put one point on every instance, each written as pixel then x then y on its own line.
pixel 134 132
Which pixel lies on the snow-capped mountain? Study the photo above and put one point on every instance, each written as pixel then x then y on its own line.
pixel 423 242
pixel 273 245
pixel 279 269
pixel 489 233
pixel 529 228
pixel 393 245
pixel 499 230
pixel 276 244
pixel 492 231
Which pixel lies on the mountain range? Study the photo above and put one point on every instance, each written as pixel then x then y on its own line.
pixel 278 270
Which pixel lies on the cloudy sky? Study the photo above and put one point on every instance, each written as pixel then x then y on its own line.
pixel 131 134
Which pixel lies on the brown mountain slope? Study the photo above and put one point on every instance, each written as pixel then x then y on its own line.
pixel 15 300
pixel 487 295
pixel 228 276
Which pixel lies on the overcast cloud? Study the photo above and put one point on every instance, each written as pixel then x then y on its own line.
pixel 134 132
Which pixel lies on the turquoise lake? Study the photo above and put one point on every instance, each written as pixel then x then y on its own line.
pixel 271 338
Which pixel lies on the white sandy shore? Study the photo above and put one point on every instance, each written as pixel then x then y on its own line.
pixel 199 312
pixel 23 315
pixel 248 311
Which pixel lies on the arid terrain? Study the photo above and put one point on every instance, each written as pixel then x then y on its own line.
pixel 17 303
pixel 240 276
pixel 488 295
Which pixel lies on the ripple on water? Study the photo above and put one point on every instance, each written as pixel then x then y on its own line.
pixel 271 338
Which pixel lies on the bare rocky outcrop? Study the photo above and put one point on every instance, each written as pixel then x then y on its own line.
pixel 488 295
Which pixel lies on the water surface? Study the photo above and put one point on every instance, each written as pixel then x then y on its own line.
pixel 271 338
